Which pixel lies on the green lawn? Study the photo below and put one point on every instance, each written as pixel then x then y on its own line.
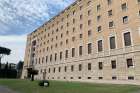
pixel 25 86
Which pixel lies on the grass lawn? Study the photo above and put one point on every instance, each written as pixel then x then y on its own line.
pixel 25 86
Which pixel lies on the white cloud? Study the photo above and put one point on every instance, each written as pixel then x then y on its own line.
pixel 27 13
pixel 16 44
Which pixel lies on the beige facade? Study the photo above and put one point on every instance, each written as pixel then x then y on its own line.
pixel 91 40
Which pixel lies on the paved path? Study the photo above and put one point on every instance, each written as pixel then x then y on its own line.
pixel 6 90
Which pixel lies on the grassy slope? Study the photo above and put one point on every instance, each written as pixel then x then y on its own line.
pixel 66 87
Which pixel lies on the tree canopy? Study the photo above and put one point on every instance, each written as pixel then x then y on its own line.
pixel 5 51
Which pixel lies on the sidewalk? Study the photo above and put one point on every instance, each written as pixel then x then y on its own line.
pixel 6 90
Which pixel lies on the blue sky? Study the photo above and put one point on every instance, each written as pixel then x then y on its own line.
pixel 20 17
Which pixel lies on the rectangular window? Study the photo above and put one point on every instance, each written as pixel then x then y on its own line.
pixel 50 58
pixel 131 78
pixel 113 64
pixel 89 33
pixel 129 63
pixel 127 39
pixel 80 50
pixel 109 2
pixel 100 65
pixel 125 19
pixel 112 43
pixel 46 59
pixel 59 69
pixel 111 24
pixel 114 78
pixel 89 48
pixel 100 46
pixel 72 68
pixel 89 66
pixel 98 18
pixel 55 56
pixel 80 67
pixel 60 55
pixel 98 7
pixel 124 7
pixel 65 68
pixel 66 55
pixel 73 52
pixel 99 28
pixel 53 70
pixel 110 13
pixel 81 35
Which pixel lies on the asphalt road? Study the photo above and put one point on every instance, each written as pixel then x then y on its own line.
pixel 6 90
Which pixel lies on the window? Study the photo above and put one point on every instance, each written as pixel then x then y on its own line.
pixel 114 78
pixel 109 2
pixel 125 19
pixel 110 13
pixel 74 12
pixel 130 77
pixel 59 69
pixel 53 70
pixel 89 77
pixel 55 56
pixel 89 66
pixel 112 43
pixel 100 46
pixel 89 12
pixel 60 55
pixel 81 26
pixel 127 39
pixel 124 7
pixel 81 17
pixel 89 48
pixel 66 55
pixel 65 68
pixel 80 67
pixel 89 22
pixel 73 52
pixel 73 21
pixel 72 68
pixel 139 13
pixel 98 18
pixel 80 50
pixel 100 78
pixel 67 41
pixel 98 7
pixel 129 63
pixel 99 29
pixel 111 24
pixel 73 38
pixel 100 65
pixel 89 32
pixel 50 58
pixel 113 64
pixel 81 35
pixel 138 1
pixel 49 70
pixel 46 59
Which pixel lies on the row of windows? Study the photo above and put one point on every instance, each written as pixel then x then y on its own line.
pixel 99 28
pixel 100 78
pixel 129 62
pixel 127 42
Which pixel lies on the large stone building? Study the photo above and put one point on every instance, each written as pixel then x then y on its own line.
pixel 91 40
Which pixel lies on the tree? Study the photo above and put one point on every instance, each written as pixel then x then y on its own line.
pixel 32 73
pixel 19 68
pixel 4 51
